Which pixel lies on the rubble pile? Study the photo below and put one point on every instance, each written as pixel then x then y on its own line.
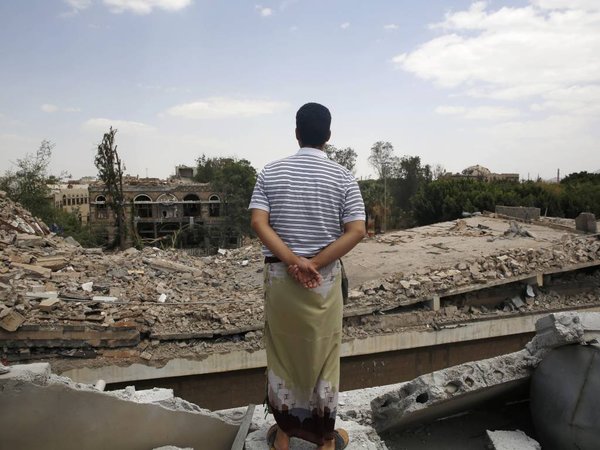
pixel 67 296
pixel 15 218
pixel 404 289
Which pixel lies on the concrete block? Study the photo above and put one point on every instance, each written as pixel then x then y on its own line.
pixel 512 440
pixel 49 304
pixel 10 320
pixel 563 328
pixel 586 222
pixel 445 392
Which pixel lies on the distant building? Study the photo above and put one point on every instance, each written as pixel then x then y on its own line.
pixel 481 173
pixel 157 209
pixel 72 197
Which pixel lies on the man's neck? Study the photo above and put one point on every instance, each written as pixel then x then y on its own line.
pixel 313 147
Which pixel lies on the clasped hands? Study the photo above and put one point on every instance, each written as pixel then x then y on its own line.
pixel 305 272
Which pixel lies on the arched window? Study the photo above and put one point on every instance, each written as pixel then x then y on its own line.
pixel 64 200
pixel 101 211
pixel 167 205
pixel 189 208
pixel 142 206
pixel 214 206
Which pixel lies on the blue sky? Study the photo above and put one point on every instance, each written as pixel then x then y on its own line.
pixel 511 85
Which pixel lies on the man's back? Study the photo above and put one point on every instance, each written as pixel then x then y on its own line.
pixel 308 198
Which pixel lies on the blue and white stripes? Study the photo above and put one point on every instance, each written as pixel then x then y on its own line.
pixel 309 198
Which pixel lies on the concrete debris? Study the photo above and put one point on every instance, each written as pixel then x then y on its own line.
pixel 49 304
pixel 447 391
pixel 511 440
pixel 564 328
pixel 586 222
pixel 514 230
pixel 211 302
pixel 136 420
pixel 10 320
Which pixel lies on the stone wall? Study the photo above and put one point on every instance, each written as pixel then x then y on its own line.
pixel 519 212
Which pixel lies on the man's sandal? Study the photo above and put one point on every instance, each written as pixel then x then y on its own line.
pixel 341 439
pixel 271 435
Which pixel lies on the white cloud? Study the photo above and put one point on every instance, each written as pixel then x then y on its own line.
pixel 390 26
pixel 529 53
pixel 145 6
pixel 345 25
pixel 48 108
pixel 264 12
pixel 79 5
pixel 590 5
pixel 479 112
pixel 221 107
pixel 102 125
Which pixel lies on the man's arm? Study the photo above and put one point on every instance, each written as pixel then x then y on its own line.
pixel 354 232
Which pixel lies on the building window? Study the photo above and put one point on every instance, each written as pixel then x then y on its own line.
pixel 142 206
pixel 191 209
pixel 101 210
pixel 214 206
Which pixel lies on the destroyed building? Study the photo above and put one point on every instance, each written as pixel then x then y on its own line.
pixel 158 209
pixel 421 300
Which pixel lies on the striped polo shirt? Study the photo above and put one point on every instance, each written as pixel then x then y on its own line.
pixel 309 198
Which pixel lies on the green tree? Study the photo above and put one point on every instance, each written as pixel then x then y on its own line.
pixel 110 172
pixel 343 156
pixel 28 184
pixel 234 179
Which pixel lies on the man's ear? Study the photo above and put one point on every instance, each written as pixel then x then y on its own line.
pixel 297 135
pixel 328 136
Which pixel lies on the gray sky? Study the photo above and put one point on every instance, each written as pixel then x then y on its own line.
pixel 511 85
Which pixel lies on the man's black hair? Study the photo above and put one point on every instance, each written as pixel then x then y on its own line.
pixel 313 122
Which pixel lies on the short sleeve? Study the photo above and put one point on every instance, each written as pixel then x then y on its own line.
pixel 259 196
pixel 354 207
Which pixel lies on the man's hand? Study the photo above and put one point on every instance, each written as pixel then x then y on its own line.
pixel 305 272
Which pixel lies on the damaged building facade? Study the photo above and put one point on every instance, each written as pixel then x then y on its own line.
pixel 180 210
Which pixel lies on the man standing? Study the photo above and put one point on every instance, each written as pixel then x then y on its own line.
pixel 308 212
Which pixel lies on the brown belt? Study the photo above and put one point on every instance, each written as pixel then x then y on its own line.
pixel 271 259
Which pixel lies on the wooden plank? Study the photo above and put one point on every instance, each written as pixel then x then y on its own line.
pixel 240 438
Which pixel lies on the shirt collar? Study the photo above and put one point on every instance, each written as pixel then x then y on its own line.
pixel 312 151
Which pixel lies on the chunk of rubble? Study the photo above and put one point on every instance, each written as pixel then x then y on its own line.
pixel 511 440
pixel 448 391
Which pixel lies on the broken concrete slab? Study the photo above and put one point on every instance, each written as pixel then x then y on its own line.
pixel 511 440
pixel 457 388
pixel 34 270
pixel 31 391
pixel 451 390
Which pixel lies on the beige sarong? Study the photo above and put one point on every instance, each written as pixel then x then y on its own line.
pixel 303 336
